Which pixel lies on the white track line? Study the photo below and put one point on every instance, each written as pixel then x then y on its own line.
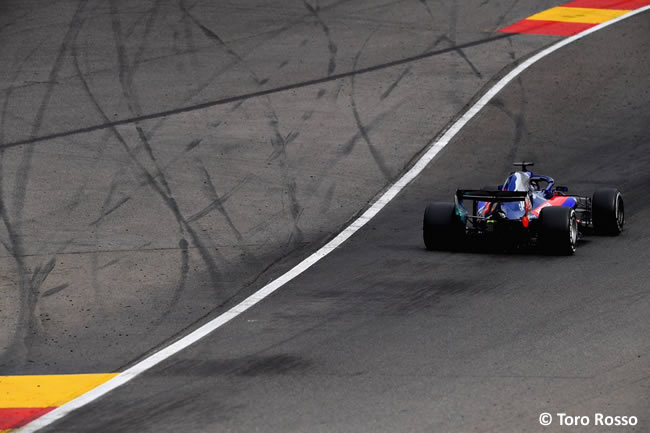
pixel 265 291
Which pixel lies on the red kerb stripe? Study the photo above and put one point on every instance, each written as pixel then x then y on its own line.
pixel 14 418
pixel 608 4
pixel 554 28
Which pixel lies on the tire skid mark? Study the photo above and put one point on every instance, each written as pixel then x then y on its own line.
pixel 327 200
pixel 180 287
pixel 462 54
pixel 278 141
pixel 3 118
pixel 108 264
pixel 17 19
pixel 349 145
pixel 136 248
pixel 126 75
pixel 251 95
pixel 270 35
pixel 68 78
pixel 146 135
pixel 152 15
pixel 107 208
pixel 192 94
pixel 110 210
pixel 143 16
pixel 453 24
pixel 357 138
pixel 55 290
pixel 501 18
pixel 158 178
pixel 169 201
pixel 6 245
pixel 511 52
pixel 331 46
pixel 347 148
pixel 363 131
pixel 394 84
pixel 163 169
pixel 407 70
pixel 29 325
pixel 22 173
pixel 189 39
pixel 8 92
pixel 124 71
pixel 215 37
pixel 192 144
pixel 450 37
pixel 77 197
pixel 517 117
pixel 159 171
pixel 255 278
pixel 18 346
pixel 217 202
pixel 428 8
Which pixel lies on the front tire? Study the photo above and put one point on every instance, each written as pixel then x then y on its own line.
pixel 442 229
pixel 607 211
pixel 558 230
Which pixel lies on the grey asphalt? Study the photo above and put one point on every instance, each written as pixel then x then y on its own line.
pixel 382 335
pixel 162 159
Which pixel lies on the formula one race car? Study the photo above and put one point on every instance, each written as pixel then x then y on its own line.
pixel 528 210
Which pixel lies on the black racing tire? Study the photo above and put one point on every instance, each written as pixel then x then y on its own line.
pixel 558 233
pixel 442 229
pixel 607 211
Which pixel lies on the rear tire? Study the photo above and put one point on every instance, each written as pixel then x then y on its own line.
pixel 558 230
pixel 442 229
pixel 607 211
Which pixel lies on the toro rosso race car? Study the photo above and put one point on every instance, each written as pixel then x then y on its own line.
pixel 528 210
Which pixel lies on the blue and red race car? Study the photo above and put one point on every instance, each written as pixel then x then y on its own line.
pixel 527 210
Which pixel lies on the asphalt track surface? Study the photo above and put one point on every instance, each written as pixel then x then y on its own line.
pixel 124 224
pixel 384 336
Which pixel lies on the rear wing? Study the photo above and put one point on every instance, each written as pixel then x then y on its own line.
pixel 480 196
pixel 491 196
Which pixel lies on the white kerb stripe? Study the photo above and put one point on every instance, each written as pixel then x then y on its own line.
pixel 265 291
